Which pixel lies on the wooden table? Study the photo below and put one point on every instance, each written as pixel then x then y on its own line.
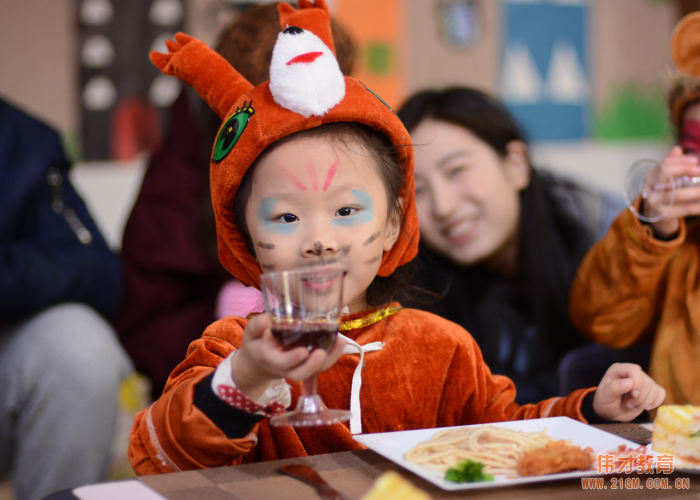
pixel 353 473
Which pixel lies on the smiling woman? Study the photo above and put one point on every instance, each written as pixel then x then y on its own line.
pixel 501 241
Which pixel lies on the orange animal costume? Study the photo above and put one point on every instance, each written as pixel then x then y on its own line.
pixel 429 372
pixel 632 288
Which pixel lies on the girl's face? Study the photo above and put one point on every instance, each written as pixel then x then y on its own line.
pixel 467 195
pixel 316 205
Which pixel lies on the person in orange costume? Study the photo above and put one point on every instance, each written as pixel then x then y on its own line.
pixel 640 283
pixel 312 169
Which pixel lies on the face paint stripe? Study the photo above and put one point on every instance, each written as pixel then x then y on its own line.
pixel 318 248
pixel 320 262
pixel 363 216
pixel 293 178
pixel 267 267
pixel 329 175
pixel 372 238
pixel 268 246
pixel 311 170
pixel 376 259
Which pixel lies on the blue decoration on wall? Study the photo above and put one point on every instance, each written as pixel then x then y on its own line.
pixel 544 76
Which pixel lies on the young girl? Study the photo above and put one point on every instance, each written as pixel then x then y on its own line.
pixel 314 170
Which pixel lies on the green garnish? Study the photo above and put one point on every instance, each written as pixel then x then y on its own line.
pixel 695 435
pixel 467 471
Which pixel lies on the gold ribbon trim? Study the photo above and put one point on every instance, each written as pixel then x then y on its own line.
pixel 370 319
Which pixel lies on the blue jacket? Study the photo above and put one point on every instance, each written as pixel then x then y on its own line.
pixel 50 249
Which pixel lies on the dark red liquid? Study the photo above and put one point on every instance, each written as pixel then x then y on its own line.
pixel 303 334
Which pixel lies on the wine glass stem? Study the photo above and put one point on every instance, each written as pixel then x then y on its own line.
pixel 309 387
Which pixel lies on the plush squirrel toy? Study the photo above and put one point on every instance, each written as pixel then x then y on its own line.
pixel 306 90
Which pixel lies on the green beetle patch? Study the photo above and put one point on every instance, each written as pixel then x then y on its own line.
pixel 232 130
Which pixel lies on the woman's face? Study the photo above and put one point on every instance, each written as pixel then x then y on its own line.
pixel 467 195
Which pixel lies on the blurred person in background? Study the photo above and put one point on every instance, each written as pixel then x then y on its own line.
pixel 175 285
pixel 500 240
pixel 641 283
pixel 60 360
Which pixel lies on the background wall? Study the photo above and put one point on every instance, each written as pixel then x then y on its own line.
pixel 629 43
pixel 401 49
pixel 38 68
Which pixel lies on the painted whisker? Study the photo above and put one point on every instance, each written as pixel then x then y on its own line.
pixel 371 238
pixel 375 259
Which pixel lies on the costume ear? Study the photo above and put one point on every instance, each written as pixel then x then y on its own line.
pixel 193 62
pixel 285 9
pixel 314 17
pixel 685 44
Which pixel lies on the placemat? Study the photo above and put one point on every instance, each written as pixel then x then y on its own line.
pixel 633 432
pixel 354 472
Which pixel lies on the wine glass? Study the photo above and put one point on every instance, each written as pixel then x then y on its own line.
pixel 305 307
pixel 651 181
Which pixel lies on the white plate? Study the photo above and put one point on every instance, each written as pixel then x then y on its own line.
pixel 393 445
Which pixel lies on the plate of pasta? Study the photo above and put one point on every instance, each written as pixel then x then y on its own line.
pixel 500 454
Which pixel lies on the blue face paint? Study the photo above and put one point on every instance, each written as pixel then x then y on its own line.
pixel 363 216
pixel 267 205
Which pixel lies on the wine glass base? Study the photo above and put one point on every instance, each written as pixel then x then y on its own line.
pixel 302 419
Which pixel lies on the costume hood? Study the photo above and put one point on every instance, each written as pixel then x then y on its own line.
pixel 684 88
pixel 306 90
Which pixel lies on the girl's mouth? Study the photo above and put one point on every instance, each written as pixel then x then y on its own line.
pixel 320 283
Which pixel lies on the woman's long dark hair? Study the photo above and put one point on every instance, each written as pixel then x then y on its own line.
pixel 552 241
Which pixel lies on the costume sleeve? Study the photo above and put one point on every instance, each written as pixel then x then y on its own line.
pixel 487 398
pixel 171 284
pixel 616 296
pixel 174 434
pixel 42 258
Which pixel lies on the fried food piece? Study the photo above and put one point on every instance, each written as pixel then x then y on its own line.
pixel 558 456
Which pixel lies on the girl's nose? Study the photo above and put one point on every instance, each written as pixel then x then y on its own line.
pixel 318 247
pixel 320 240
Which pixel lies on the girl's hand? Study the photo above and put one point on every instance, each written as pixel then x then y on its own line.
pixel 625 391
pixel 260 359
pixel 686 201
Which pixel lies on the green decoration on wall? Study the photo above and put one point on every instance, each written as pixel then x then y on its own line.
pixel 378 58
pixel 633 111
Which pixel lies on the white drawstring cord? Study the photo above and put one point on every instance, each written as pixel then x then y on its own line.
pixel 353 347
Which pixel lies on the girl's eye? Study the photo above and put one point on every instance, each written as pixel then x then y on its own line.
pixel 288 218
pixel 346 211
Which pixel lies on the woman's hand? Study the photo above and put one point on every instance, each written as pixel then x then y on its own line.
pixel 686 201
pixel 625 391
pixel 260 359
